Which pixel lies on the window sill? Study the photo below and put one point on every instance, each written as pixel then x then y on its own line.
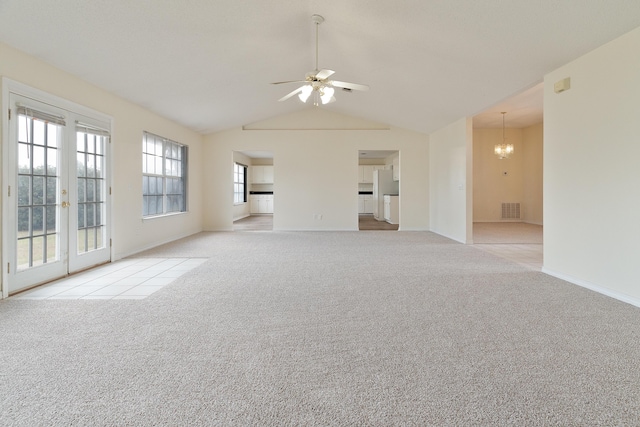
pixel 152 217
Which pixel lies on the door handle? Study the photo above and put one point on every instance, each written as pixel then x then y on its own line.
pixel 66 204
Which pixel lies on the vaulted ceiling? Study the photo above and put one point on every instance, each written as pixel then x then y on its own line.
pixel 208 64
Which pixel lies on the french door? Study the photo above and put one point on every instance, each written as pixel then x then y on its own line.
pixel 55 220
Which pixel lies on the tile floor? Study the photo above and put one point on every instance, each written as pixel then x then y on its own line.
pixel 518 242
pixel 528 255
pixel 132 278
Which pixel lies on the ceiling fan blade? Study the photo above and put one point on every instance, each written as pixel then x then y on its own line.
pixel 289 81
pixel 290 94
pixel 323 74
pixel 347 85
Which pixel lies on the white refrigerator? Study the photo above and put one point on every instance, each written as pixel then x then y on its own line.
pixel 383 183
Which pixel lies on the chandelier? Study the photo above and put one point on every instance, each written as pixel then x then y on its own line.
pixel 503 150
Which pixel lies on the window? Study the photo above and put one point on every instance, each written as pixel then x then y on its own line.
pixel 164 176
pixel 239 183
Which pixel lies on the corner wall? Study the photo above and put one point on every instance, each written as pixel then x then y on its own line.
pixel 591 173
pixel 532 145
pixel 451 181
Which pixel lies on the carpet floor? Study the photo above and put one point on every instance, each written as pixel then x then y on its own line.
pixel 326 329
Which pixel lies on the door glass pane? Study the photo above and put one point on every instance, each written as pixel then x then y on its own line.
pixel 52 247
pixel 24 190
pixel 91 193
pixel 91 165
pixel 52 190
pixel 38 220
pixel 81 165
pixel 39 136
pixel 81 221
pixel 99 237
pixel 52 135
pixel 24 222
pixel 24 158
pixel 82 238
pixel 38 190
pixel 24 253
pixel 38 169
pixel 81 189
pixel 52 220
pixel 52 161
pixel 38 159
pixel 90 211
pixel 37 251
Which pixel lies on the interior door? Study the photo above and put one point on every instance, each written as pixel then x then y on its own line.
pixel 55 216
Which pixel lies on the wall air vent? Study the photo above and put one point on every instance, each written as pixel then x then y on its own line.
pixel 510 211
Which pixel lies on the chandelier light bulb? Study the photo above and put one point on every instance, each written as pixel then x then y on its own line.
pixel 504 150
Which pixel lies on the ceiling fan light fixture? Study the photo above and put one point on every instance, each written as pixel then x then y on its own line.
pixel 327 94
pixel 317 82
pixel 305 92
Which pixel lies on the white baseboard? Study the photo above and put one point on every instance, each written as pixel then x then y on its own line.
pixel 593 287
pixel 449 237
pixel 116 257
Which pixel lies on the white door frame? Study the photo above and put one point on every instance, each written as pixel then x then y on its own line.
pixel 8 219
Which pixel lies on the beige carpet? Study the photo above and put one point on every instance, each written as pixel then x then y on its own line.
pixel 326 329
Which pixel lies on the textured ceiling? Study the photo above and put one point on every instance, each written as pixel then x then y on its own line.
pixel 208 64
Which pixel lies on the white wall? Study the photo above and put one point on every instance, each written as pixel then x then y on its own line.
pixel 316 169
pixel 130 233
pixel 451 181
pixel 532 145
pixel 591 172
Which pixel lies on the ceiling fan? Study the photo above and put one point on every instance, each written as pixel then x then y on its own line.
pixel 317 82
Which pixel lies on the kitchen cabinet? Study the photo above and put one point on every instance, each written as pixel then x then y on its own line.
pixel 365 203
pixel 391 209
pixel 365 173
pixel 262 174
pixel 261 203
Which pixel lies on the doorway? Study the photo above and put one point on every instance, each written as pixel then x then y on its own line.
pixel 378 190
pixel 56 204
pixel 254 196
pixel 508 187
